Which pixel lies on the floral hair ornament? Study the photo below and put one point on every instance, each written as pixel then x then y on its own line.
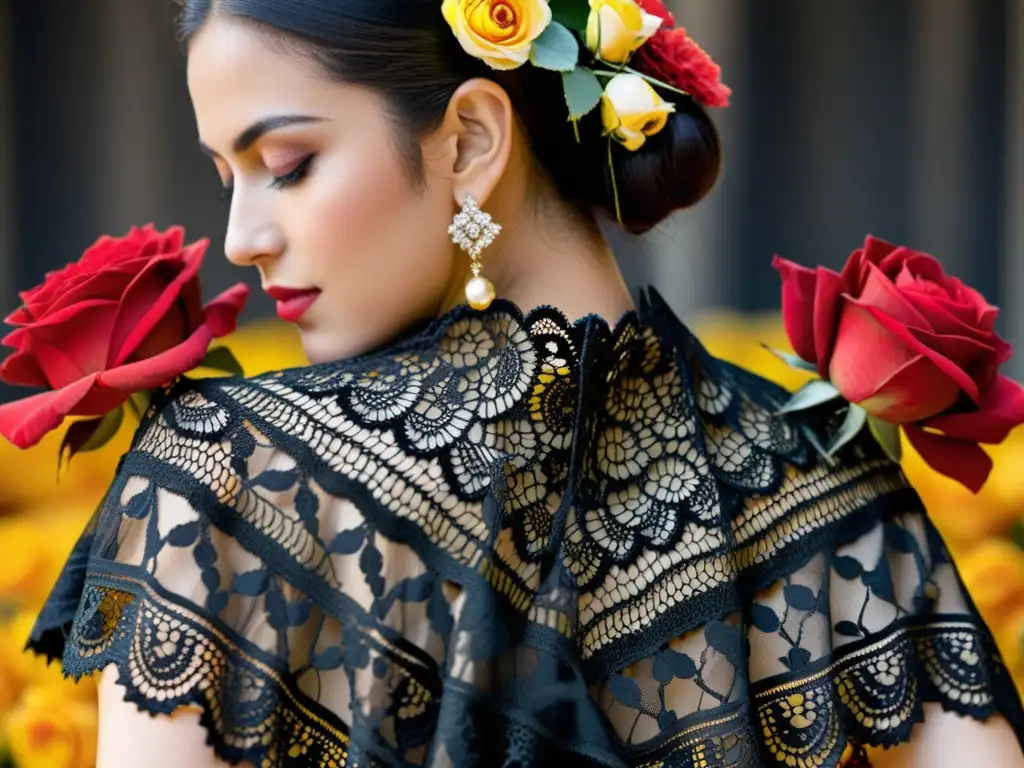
pixel 609 52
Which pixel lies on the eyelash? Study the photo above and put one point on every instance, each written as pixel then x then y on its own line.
pixel 284 181
pixel 293 177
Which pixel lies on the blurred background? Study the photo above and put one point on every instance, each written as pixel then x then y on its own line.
pixel 902 118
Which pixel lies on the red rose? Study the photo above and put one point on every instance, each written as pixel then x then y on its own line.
pixel 670 55
pixel 125 318
pixel 912 346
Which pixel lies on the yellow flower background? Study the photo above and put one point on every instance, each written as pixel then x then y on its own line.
pixel 47 722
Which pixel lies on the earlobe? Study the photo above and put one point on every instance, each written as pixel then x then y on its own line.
pixel 481 115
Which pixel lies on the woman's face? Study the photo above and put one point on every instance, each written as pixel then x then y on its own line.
pixel 321 204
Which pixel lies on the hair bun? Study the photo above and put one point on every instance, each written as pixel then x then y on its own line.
pixel 673 170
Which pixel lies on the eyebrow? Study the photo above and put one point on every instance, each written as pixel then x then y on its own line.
pixel 250 135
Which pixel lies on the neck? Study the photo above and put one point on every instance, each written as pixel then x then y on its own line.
pixel 547 259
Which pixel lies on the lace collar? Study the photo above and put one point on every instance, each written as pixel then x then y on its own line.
pixel 633 427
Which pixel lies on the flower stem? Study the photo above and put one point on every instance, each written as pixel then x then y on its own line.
pixel 615 188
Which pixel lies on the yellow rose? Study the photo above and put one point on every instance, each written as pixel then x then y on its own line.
pixel 994 575
pixel 27 670
pixel 46 729
pixel 632 110
pixel 501 32
pixel 616 28
pixel 8 691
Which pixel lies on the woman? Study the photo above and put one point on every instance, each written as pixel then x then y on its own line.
pixel 499 537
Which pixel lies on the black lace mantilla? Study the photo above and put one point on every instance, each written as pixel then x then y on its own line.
pixel 514 540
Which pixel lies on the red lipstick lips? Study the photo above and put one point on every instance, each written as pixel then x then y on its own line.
pixel 292 303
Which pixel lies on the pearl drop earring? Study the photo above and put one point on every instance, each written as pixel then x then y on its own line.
pixel 473 230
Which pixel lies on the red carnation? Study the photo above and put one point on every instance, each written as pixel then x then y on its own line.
pixel 672 56
pixel 657 8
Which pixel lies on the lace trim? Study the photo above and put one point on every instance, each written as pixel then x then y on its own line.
pixel 171 656
pixel 870 692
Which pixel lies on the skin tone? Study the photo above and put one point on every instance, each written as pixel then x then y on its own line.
pixel 320 199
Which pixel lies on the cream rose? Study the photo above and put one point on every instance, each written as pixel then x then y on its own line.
pixel 616 28
pixel 632 110
pixel 501 32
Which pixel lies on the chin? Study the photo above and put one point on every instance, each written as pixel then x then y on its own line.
pixel 325 348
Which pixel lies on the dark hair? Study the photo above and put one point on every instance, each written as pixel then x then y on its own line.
pixel 404 50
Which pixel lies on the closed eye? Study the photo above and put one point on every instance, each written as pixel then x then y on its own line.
pixel 294 176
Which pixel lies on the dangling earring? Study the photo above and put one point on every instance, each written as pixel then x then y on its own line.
pixel 473 230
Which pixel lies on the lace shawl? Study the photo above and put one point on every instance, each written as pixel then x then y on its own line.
pixel 513 540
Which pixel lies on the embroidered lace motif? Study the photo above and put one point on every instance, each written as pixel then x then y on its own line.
pixel 509 540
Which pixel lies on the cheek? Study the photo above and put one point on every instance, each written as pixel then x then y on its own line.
pixel 374 242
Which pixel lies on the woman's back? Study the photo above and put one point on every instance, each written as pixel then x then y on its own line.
pixel 494 536
pixel 518 540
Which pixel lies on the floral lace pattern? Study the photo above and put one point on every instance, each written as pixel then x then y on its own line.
pixel 509 540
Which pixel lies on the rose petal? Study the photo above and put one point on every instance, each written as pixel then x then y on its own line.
pixel 916 391
pixel 103 285
pixel 879 291
pixel 940 318
pixel 963 351
pixel 20 316
pixel 23 369
pixel 920 265
pixel 81 339
pixel 1004 349
pixel 865 354
pixel 221 313
pixel 827 291
pixel 25 422
pixel 122 347
pixel 877 248
pixel 964 295
pixel 987 318
pixel 798 285
pixel 851 270
pixel 65 315
pixel 872 252
pixel 961 460
pixel 191 302
pixel 160 369
pixel 59 369
pixel 901 332
pixel 1001 411
pixel 171 240
pixel 963 311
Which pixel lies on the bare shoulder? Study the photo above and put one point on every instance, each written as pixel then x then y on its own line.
pixel 166 741
pixel 947 740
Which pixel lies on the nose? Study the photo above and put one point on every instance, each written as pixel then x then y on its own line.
pixel 251 238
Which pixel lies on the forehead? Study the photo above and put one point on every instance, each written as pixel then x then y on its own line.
pixel 237 73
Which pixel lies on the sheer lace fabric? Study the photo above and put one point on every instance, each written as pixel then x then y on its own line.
pixel 510 540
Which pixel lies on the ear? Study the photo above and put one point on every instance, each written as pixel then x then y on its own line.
pixel 477 135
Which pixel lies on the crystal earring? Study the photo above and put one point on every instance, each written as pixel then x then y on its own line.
pixel 473 230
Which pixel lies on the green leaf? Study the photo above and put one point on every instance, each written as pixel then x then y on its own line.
pixel 852 424
pixel 91 434
pixel 792 360
pixel 556 49
pixel 888 436
pixel 139 402
pixel 812 438
pixel 571 13
pixel 809 395
pixel 222 359
pixel 582 91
